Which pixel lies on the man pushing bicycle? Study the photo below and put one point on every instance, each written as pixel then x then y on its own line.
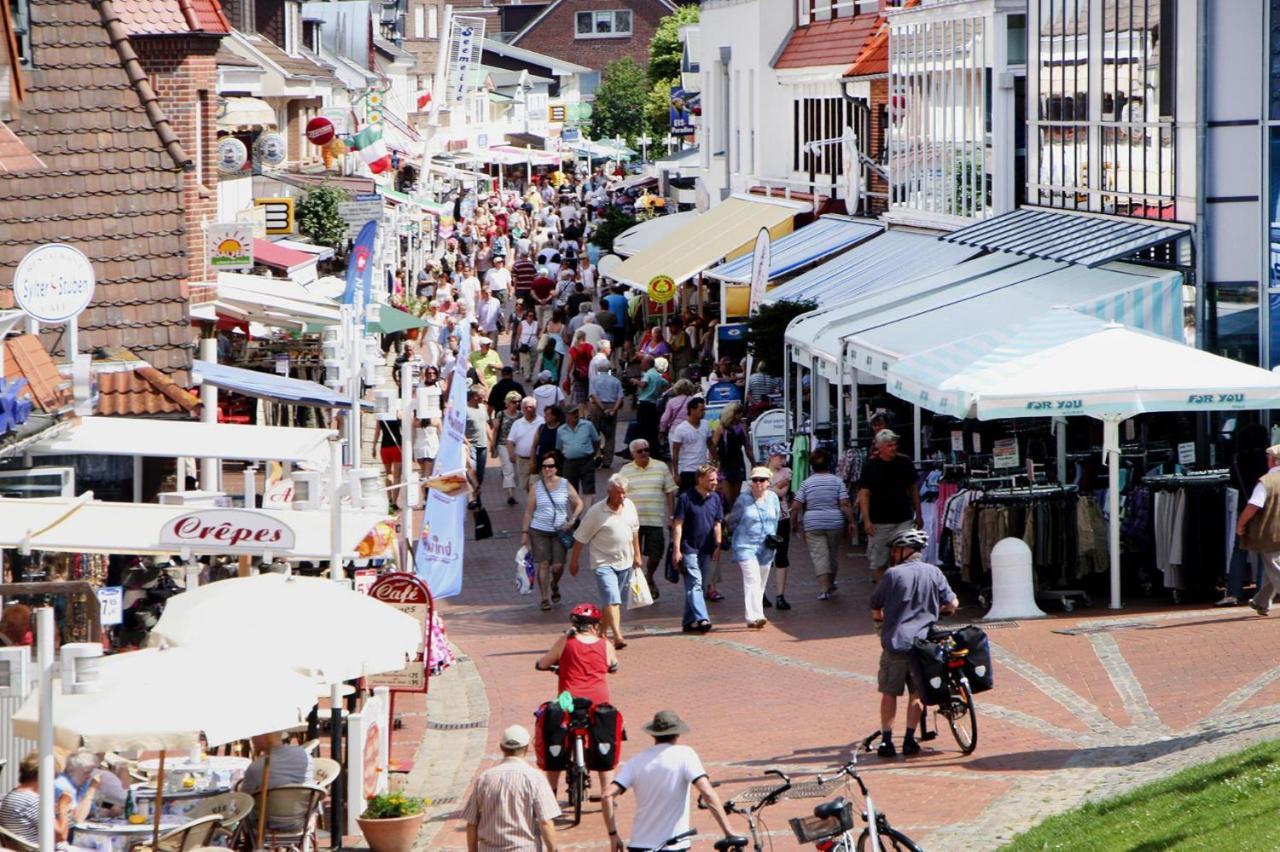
pixel 907 601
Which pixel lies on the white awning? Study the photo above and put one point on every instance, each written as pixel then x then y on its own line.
pixel 637 238
pixel 93 526
pixel 244 113
pixel 124 436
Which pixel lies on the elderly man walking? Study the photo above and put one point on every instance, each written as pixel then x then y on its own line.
pixel 612 532
pixel 511 805
pixel 579 443
pixel 888 498
pixel 653 490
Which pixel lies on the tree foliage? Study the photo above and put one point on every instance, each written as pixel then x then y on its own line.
pixel 665 49
pixel 620 101
pixel 318 218
pixel 766 331
pixel 615 222
pixel 657 112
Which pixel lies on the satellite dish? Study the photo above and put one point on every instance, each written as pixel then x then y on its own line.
pixel 608 265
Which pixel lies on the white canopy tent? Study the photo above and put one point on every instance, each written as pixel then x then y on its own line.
pixel 85 525
pixel 123 436
pixel 1055 366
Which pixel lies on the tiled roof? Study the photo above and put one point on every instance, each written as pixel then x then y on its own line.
pixel 873 59
pixel 226 56
pixel 171 17
pixel 142 391
pixel 14 156
pixel 294 66
pixel 109 188
pixel 26 358
pixel 827 42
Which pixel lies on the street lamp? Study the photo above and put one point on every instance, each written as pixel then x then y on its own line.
pixel 670 141
pixel 644 142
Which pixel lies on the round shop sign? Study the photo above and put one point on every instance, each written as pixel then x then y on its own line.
pixel 232 155
pixel 269 149
pixel 54 283
pixel 662 289
pixel 320 131
pixel 228 531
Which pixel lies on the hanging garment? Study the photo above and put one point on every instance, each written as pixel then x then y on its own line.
pixel 1168 517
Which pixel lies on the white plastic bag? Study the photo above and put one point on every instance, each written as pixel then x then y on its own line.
pixel 524 571
pixel 640 594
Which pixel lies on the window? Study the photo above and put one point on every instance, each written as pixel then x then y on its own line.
pixel 419 21
pixel 292 28
pixel 311 35
pixel 604 24
pixel 433 22
pixel 821 120
pixel 21 17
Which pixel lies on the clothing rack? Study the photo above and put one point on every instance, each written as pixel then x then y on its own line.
pixel 1026 493
pixel 1179 480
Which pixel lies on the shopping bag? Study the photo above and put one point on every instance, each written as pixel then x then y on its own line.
pixel 524 571
pixel 640 594
pixel 669 569
pixel 484 527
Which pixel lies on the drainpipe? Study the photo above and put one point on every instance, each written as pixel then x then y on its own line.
pixel 1200 238
pixel 726 54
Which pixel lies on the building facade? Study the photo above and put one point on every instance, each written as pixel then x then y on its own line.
pixel 594 32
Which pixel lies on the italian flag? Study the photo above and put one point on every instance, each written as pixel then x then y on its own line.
pixel 424 101
pixel 372 149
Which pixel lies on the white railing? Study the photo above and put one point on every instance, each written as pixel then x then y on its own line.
pixel 17 681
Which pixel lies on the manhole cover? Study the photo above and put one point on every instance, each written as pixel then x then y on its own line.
pixel 803 790
pixel 455 726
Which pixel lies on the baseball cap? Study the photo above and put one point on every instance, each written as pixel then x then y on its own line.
pixel 516 736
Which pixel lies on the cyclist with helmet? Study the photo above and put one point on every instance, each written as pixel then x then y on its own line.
pixel 585 660
pixel 906 602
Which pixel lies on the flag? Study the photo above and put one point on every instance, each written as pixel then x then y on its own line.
pixel 424 101
pixel 373 151
pixel 360 268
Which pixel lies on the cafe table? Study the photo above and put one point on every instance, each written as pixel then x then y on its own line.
pixel 117 835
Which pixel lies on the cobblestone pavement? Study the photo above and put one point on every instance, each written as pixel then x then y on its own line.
pixel 1085 705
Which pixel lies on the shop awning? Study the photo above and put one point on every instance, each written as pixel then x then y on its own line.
pixel 391 320
pixel 271 301
pixel 686 163
pixel 171 439
pixel 1143 298
pixel 825 237
pixel 637 238
pixel 1086 239
pixel 320 252
pixel 437 210
pixel 889 259
pixel 724 229
pixel 281 257
pixel 600 149
pixel 523 155
pixel 244 113
pixel 267 385
pixel 93 526
pixel 533 140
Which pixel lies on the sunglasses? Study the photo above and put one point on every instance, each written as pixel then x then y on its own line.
pixel 758 479
pixel 549 467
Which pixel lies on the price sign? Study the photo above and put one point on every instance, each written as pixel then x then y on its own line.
pixel 1004 453
pixel 957 441
pixel 111 605
pixel 1187 453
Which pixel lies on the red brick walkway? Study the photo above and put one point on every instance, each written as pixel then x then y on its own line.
pixel 1127 697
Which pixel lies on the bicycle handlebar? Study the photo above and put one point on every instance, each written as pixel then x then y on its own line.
pixel 850 769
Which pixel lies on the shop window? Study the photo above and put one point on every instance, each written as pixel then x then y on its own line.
pixel 604 24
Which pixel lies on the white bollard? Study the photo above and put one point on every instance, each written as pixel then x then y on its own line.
pixel 1012 584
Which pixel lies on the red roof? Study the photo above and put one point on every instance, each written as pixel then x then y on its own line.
pixel 144 390
pixel 269 254
pixel 14 156
pixel 827 42
pixel 171 17
pixel 25 358
pixel 873 59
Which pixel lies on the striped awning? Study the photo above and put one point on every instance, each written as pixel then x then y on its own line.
pixel 798 249
pixel 1087 239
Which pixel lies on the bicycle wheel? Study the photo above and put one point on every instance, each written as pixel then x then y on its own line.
pixel 890 839
pixel 961 716
pixel 577 791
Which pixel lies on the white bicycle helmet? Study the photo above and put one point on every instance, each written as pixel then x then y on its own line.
pixel 913 539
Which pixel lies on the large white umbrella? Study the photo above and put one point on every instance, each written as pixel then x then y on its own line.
pixel 320 627
pixel 1060 365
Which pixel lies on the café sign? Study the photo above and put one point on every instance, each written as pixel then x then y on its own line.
pixel 54 283
pixel 228 531
pixel 407 593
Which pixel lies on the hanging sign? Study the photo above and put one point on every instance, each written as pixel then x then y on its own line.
pixel 1004 453
pixel 408 594
pixel 320 131
pixel 279 213
pixel 465 42
pixel 364 579
pixel 232 155
pixel 229 246
pixel 228 531
pixel 957 441
pixel 54 283
pixel 269 149
pixel 1187 453
pixel 662 289
pixel 759 269
pixel 680 117
pixel 111 605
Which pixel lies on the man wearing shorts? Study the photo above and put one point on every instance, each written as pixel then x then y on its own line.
pixel 579 443
pixel 653 490
pixel 888 498
pixel 611 531
pixel 820 513
pixel 906 602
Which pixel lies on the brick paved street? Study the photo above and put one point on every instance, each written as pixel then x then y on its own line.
pixel 1117 700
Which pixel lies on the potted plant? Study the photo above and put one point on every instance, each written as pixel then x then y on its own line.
pixel 391 821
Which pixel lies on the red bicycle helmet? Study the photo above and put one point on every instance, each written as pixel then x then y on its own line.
pixel 585 613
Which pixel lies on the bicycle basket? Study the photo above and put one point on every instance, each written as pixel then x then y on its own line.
pixel 812 829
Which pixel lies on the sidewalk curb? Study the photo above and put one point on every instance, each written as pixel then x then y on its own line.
pixel 447 759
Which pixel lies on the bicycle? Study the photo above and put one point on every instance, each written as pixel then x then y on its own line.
pixel 958 708
pixel 577 775
pixel 676 839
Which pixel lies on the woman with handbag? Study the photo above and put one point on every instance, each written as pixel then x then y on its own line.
pixel 549 514
pixel 754 520
pixel 527 344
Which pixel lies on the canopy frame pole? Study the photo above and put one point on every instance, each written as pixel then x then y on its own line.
pixel 44 736
pixel 840 407
pixel 1111 455
pixel 336 797
pixel 787 366
pixel 917 432
pixel 262 799
pixel 210 469
pixel 1060 432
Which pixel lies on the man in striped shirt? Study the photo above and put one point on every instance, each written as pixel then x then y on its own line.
pixel 821 513
pixel 652 489
pixel 511 806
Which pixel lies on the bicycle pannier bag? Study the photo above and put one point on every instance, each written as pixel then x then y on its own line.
pixel 604 738
pixel 551 737
pixel 929 669
pixel 977 664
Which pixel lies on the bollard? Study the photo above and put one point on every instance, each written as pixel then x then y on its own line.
pixel 1012 584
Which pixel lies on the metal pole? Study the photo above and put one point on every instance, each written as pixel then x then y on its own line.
pixel 408 470
pixel 210 469
pixel 44 740
pixel 337 821
pixel 1061 424
pixel 1111 449
pixel 917 431
pixel 355 356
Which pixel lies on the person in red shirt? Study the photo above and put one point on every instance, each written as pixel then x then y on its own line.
pixel 585 660
pixel 544 290
pixel 522 274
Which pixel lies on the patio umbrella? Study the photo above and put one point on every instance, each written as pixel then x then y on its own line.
pixel 162 699
pixel 317 626
pixel 1056 367
pixel 390 320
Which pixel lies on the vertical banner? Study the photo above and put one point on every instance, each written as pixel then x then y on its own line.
pixel 465 39
pixel 759 269
pixel 679 113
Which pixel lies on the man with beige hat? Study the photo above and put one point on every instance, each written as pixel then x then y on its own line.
pixel 511 805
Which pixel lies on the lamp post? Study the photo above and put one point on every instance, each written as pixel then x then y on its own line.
pixel 670 141
pixel 644 142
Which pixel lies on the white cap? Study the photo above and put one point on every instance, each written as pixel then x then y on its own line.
pixel 483 341
pixel 516 736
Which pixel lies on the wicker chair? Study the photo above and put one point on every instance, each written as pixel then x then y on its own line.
pixel 188 836
pixel 324 770
pixel 232 808
pixel 9 840
pixel 293 814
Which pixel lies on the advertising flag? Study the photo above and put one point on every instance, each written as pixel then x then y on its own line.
pixel 360 268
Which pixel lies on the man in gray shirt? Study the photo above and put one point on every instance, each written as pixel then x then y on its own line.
pixel 907 600
pixel 290 764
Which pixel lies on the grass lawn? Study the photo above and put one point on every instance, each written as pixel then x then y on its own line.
pixel 1232 803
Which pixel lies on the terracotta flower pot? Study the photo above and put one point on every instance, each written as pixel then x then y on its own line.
pixel 391 835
